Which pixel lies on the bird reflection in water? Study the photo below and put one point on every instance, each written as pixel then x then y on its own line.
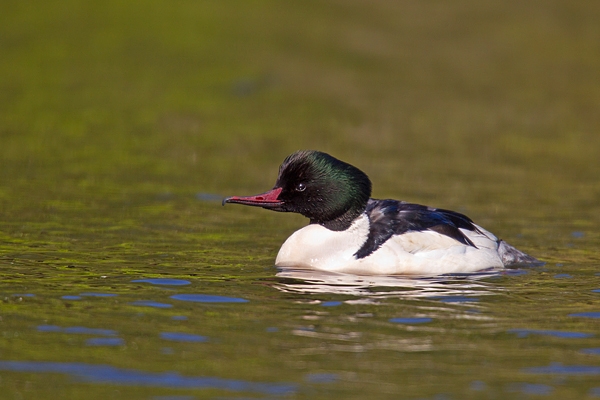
pixel 456 288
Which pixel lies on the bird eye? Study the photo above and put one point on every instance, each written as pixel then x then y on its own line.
pixel 301 187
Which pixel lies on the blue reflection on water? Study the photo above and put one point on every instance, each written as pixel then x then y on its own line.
pixel 331 303
pixel 93 294
pixel 456 299
pixel 321 378
pixel 530 388
pixel 586 315
pixel 594 351
pixel 207 298
pixel 150 303
pixel 522 333
pixel 179 318
pixel 183 337
pixel 119 376
pixel 410 320
pixel 515 272
pixel 70 297
pixel 163 281
pixel 105 342
pixel 76 330
pixel 23 295
pixel 558 276
pixel 564 369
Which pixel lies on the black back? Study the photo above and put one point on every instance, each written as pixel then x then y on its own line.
pixel 393 217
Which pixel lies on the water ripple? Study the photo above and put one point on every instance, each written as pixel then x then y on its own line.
pixel 106 374
pixel 207 298
pixel 530 388
pixel 410 320
pixel 105 342
pixel 331 303
pixel 593 351
pixel 163 281
pixel 80 330
pixel 586 315
pixel 71 297
pixel 565 369
pixel 150 303
pixel 183 337
pixel 321 377
pixel 523 333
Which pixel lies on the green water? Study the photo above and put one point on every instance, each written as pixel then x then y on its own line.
pixel 122 124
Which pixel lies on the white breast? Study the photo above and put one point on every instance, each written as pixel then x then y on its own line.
pixel 315 246
pixel 415 253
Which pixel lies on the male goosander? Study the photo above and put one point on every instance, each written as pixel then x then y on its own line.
pixel 351 233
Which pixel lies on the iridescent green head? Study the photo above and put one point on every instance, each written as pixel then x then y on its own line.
pixel 330 192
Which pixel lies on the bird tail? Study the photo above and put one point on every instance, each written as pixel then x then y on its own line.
pixel 512 257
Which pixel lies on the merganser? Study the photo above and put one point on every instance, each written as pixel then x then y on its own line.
pixel 351 233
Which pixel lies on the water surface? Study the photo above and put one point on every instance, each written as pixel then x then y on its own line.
pixel 122 126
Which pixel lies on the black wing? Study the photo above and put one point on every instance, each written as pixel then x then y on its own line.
pixel 393 217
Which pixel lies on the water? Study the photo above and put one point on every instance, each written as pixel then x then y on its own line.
pixel 122 127
pixel 267 333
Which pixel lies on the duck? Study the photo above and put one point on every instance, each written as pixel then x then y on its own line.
pixel 350 232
